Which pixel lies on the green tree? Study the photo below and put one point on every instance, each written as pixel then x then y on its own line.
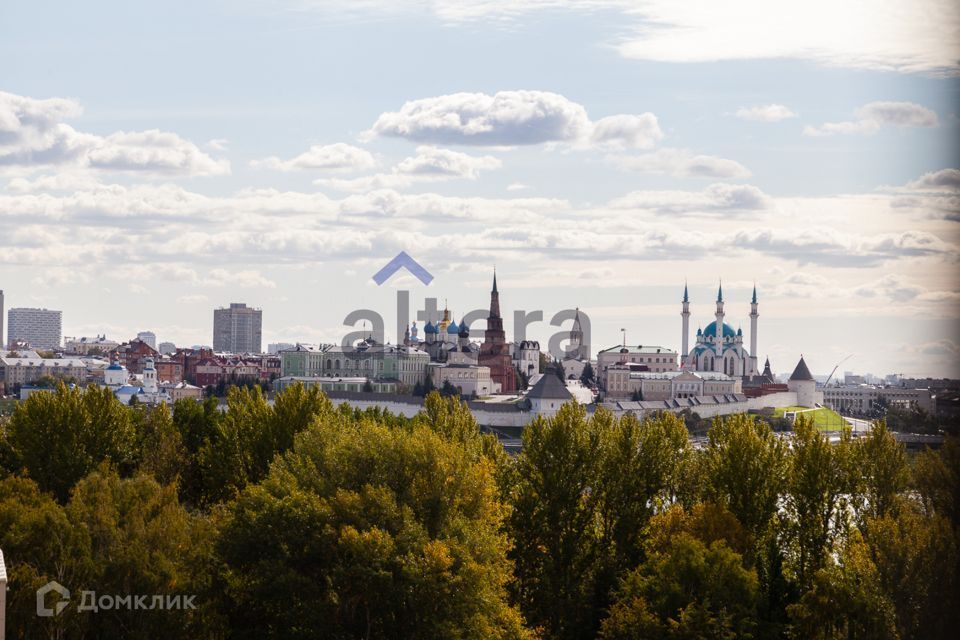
pixel 819 480
pixel 366 531
pixel 916 558
pixel 936 476
pixel 587 376
pixel 62 436
pixel 162 453
pixel 883 473
pixel 688 589
pixel 845 600
pixel 744 466
pixel 554 522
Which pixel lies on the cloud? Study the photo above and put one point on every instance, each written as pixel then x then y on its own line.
pixel 717 198
pixel 765 113
pixel 510 118
pixel 331 157
pixel 517 186
pixel 907 36
pixel 681 163
pixel 32 135
pixel 943 180
pixel 430 164
pixel 506 118
pixel 871 117
pixel 627 131
pixel 194 298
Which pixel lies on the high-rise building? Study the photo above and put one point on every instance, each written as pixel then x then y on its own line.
pixel 40 328
pixel 149 337
pixel 2 343
pixel 236 329
pixel 167 348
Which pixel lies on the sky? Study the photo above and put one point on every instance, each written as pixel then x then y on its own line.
pixel 159 160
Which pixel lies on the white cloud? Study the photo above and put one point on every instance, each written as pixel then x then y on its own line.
pixel 627 131
pixel 430 164
pixel 871 117
pixel 717 198
pixel 765 113
pixel 505 118
pixel 510 118
pixel 194 298
pixel 517 186
pixel 33 135
pixel 884 35
pixel 331 157
pixel 682 163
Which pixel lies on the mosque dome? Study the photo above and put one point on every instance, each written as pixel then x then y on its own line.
pixel 711 330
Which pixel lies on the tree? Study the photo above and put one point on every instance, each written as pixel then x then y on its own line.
pixel 883 473
pixel 362 531
pixel 162 453
pixel 845 600
pixel 368 387
pixel 587 376
pixel 936 476
pixel 553 522
pixel 448 390
pixel 744 468
pixel 686 589
pixel 819 481
pixel 60 437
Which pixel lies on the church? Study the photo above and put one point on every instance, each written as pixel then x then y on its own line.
pixel 719 348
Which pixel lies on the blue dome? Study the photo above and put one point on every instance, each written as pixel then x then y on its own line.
pixel 453 328
pixel 115 367
pixel 429 328
pixel 711 330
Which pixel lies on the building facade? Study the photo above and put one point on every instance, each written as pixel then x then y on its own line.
pixel 624 382
pixel 638 358
pixel 864 399
pixel 237 329
pixel 20 371
pixel 40 328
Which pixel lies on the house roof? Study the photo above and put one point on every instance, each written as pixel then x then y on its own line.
pixel 549 387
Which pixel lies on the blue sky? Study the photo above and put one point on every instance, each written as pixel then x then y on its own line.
pixel 157 161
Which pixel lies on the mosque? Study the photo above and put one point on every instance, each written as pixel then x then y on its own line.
pixel 719 348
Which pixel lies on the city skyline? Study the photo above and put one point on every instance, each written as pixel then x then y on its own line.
pixel 597 161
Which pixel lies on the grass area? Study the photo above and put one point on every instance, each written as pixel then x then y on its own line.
pixel 823 418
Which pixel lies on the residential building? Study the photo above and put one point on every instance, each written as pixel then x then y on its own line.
pixel 167 348
pixel 20 371
pixel 133 355
pixel 40 328
pixel 2 343
pixel 644 357
pixel 83 346
pixel 149 337
pixel 237 329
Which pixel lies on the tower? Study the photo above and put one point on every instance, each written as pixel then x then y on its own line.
pixel 685 329
pixel 494 352
pixel 577 350
pixel 753 332
pixel 717 363
pixel 149 377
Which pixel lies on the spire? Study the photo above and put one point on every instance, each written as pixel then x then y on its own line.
pixel 494 279
pixel 754 300
pixel 720 292
pixel 686 296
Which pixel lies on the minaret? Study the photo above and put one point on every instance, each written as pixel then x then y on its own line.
pixel 685 335
pixel 753 332
pixel 719 323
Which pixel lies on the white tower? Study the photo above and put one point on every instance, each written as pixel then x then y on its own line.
pixel 149 377
pixel 685 335
pixel 718 362
pixel 753 333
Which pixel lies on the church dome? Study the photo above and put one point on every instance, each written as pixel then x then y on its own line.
pixel 429 328
pixel 711 330
pixel 452 328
